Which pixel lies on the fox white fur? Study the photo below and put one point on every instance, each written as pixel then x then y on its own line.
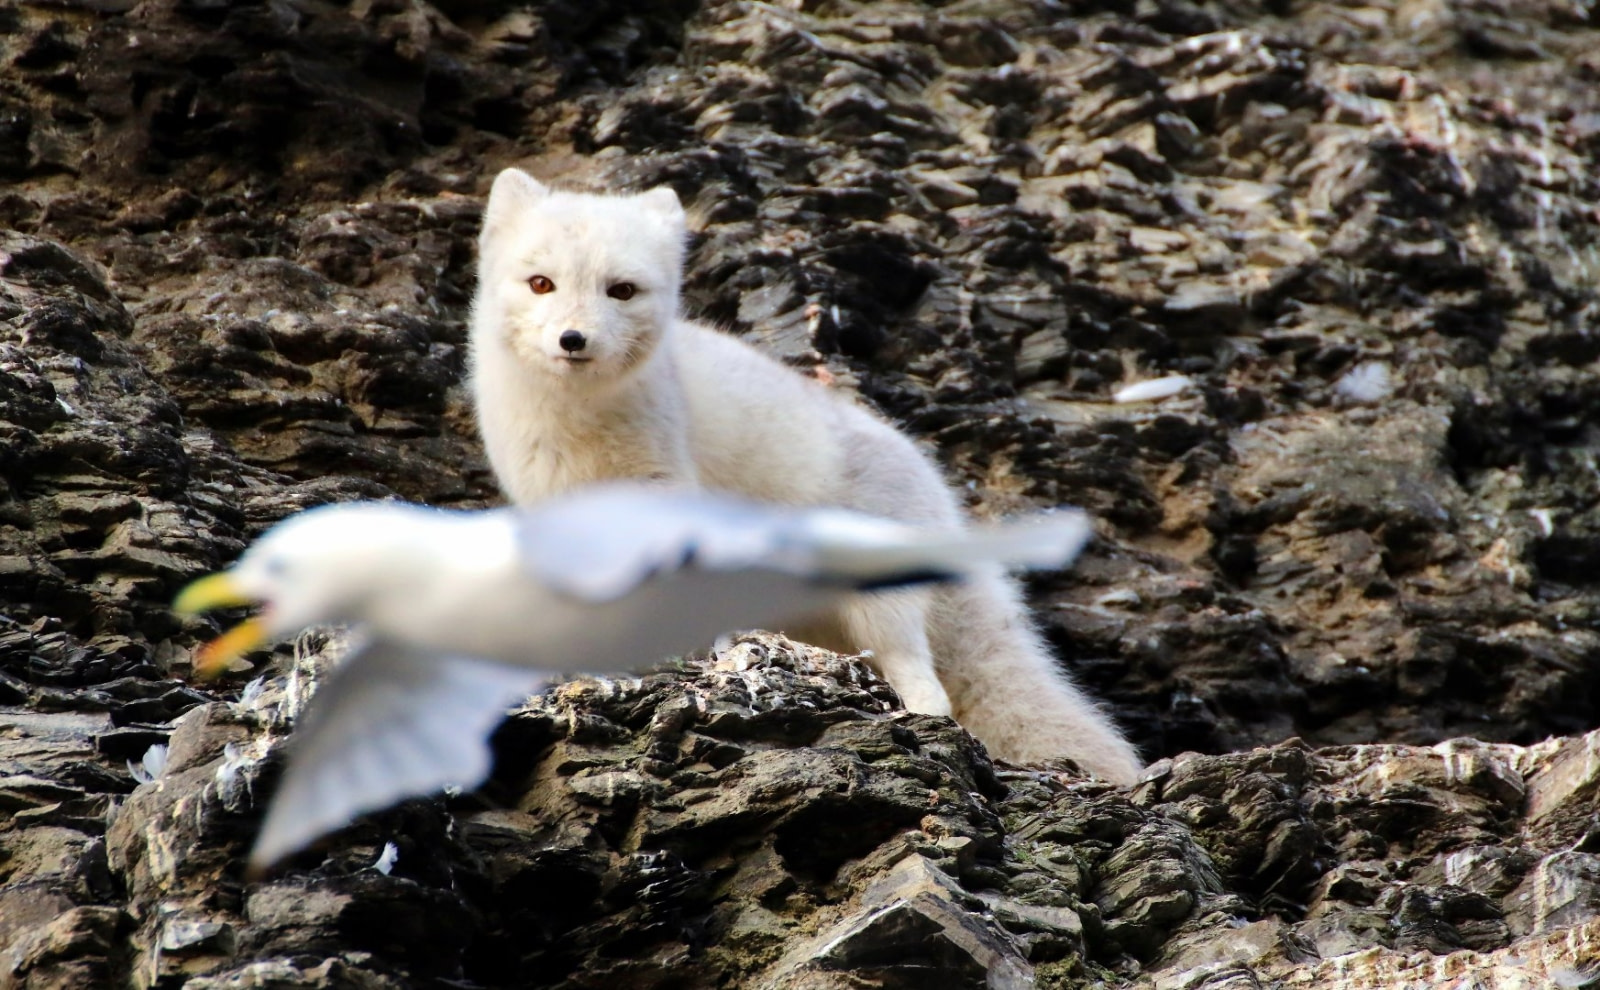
pixel 651 395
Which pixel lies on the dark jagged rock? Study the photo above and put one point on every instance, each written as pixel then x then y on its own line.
pixel 1345 586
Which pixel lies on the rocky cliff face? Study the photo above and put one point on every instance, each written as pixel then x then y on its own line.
pixel 1345 592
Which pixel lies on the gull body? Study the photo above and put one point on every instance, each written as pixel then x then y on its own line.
pixel 452 583
pixel 456 613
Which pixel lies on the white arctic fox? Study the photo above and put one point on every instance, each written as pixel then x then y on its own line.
pixel 582 371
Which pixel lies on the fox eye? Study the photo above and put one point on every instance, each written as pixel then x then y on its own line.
pixel 540 285
pixel 623 291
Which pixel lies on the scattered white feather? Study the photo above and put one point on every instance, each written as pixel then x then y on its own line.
pixel 1367 382
pixel 387 858
pixel 233 779
pixel 1547 526
pixel 1153 390
pixel 151 766
pixel 250 697
pixel 1571 977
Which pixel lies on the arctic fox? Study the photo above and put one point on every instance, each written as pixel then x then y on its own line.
pixel 582 370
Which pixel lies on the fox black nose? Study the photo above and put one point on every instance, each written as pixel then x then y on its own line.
pixel 572 341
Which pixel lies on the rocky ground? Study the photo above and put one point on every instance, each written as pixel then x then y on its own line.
pixel 1346 586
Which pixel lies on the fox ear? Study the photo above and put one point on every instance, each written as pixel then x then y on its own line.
pixel 663 202
pixel 513 192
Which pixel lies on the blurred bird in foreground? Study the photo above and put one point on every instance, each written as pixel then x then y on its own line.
pixel 455 613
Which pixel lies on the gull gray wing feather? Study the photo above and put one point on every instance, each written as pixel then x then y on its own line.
pixel 390 722
pixel 608 541
pixel 1043 541
pixel 604 543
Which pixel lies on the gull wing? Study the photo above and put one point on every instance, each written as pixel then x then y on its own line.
pixel 1042 541
pixel 390 722
pixel 605 542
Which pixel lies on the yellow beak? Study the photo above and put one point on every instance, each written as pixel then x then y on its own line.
pixel 220 591
pixel 211 591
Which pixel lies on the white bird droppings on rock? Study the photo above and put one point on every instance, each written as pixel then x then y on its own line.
pixel 1153 390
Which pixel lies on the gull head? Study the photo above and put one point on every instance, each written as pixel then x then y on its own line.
pixel 324 565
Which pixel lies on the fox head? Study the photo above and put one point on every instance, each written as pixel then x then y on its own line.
pixel 577 285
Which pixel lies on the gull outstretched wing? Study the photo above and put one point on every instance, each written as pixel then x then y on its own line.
pixel 845 554
pixel 603 544
pixel 606 542
pixel 390 722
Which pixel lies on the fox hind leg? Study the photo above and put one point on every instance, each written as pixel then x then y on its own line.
pixel 893 626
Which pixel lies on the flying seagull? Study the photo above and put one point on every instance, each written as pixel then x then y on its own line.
pixel 456 613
